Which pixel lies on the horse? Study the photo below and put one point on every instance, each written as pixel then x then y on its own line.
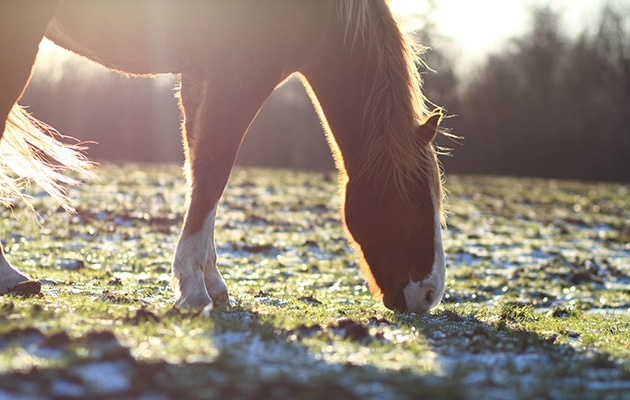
pixel 358 67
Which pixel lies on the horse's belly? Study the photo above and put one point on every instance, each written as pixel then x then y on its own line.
pixel 158 36
pixel 143 36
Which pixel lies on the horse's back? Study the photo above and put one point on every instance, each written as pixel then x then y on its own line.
pixel 149 36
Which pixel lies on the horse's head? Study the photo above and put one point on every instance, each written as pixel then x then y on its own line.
pixel 398 236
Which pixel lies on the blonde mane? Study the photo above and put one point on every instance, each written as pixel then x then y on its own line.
pixel 396 105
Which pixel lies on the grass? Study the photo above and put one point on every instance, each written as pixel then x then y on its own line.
pixel 536 306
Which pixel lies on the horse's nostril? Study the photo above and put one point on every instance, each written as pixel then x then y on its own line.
pixel 421 297
pixel 429 296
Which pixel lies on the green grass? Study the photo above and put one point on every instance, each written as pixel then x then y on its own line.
pixel 537 304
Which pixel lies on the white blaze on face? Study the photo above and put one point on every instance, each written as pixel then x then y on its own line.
pixel 426 294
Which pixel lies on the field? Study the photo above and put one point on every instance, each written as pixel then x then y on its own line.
pixel 537 304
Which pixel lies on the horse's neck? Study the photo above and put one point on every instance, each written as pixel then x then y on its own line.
pixel 369 91
pixel 341 82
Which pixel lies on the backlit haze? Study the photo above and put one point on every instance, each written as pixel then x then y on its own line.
pixel 480 26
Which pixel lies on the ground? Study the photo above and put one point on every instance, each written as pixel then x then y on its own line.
pixel 537 303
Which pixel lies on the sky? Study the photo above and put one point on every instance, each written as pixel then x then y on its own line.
pixel 479 26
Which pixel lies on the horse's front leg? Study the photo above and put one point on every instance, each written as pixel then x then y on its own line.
pixel 216 118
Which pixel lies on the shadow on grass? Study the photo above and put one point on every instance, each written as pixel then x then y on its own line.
pixel 504 356
pixel 257 360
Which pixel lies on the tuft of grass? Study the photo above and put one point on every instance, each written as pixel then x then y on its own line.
pixel 516 312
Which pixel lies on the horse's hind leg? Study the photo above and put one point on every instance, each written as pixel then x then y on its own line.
pixel 22 25
pixel 217 114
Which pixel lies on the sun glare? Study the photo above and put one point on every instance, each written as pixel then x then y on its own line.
pixel 485 25
pixel 476 26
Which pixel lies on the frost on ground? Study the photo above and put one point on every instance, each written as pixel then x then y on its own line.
pixel 536 307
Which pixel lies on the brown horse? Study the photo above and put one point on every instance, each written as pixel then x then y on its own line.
pixel 358 67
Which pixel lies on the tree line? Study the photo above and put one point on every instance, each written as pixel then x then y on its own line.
pixel 546 104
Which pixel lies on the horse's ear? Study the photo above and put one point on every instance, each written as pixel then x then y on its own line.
pixel 429 129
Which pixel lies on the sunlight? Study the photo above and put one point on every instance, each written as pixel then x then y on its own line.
pixel 53 61
pixel 485 25
pixel 477 27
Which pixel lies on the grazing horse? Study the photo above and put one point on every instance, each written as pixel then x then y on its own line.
pixel 359 69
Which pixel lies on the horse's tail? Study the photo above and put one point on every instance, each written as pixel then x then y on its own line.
pixel 29 152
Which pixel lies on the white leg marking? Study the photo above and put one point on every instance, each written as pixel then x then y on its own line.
pixel 196 280
pixel 427 294
pixel 9 275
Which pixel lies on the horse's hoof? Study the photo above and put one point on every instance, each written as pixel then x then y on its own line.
pixel 11 278
pixel 193 302
pixel 221 298
pixel 26 288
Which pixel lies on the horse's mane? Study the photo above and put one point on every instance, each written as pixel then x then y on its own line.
pixel 396 105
